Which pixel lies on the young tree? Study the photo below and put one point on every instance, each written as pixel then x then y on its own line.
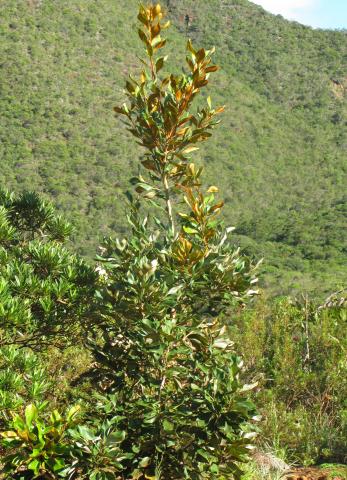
pixel 177 397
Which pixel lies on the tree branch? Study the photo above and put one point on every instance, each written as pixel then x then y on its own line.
pixel 168 202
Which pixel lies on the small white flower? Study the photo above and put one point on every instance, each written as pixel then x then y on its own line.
pixel 101 271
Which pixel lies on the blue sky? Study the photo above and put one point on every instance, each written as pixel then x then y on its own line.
pixel 316 13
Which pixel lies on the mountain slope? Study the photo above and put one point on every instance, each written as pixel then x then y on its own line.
pixel 278 156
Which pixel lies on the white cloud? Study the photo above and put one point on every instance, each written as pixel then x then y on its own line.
pixel 291 9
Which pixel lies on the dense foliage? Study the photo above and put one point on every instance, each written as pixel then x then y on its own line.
pixel 38 446
pixel 165 350
pixel 23 379
pixel 302 402
pixel 44 289
pixel 284 87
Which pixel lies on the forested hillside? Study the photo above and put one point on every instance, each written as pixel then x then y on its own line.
pixel 278 155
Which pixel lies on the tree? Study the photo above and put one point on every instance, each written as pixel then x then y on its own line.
pixel 176 395
pixel 45 290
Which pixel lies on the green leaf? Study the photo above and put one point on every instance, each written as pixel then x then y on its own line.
pixel 72 412
pixel 116 437
pixel 58 465
pixel 144 462
pixel 86 433
pixel 34 466
pixel 31 414
pixel 190 230
pixel 168 426
pixel 18 423
pixel 56 417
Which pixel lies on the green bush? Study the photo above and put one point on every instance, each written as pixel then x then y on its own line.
pixel 44 289
pixel 97 454
pixel 23 379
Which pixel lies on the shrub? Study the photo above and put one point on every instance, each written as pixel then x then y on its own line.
pixel 44 289
pixel 97 454
pixel 23 379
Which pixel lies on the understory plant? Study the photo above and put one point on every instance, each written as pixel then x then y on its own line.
pixel 298 354
pixel 167 357
pixel 97 454
pixel 39 447
pixel 23 379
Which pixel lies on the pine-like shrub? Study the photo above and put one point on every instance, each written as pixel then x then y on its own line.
pixel 45 290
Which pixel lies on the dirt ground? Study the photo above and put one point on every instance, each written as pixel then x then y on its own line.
pixel 333 472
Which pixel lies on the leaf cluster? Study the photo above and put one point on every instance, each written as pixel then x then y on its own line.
pixel 39 447
pixel 23 379
pixel 159 112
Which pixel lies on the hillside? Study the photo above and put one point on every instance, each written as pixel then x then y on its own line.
pixel 279 154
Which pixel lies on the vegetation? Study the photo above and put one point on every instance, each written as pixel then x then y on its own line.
pixel 302 402
pixel 42 446
pixel 283 85
pixel 151 313
pixel 145 364
pixel 298 356
pixel 178 397
pixel 44 289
